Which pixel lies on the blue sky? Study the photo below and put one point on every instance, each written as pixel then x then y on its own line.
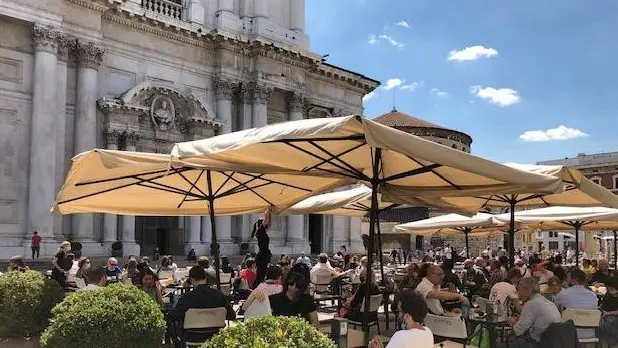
pixel 537 65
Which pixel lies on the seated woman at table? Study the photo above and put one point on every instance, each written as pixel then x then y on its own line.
pixel 151 286
pixel 130 274
pixel 83 265
pixel 413 334
pixel 294 301
pixel 552 288
pixel 352 303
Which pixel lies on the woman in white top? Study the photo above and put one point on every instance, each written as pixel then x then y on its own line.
pixel 414 334
pixel 271 286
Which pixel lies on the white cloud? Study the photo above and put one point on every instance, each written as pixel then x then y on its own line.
pixel 410 86
pixel 392 83
pixel 403 23
pixel 372 39
pixel 560 133
pixel 498 96
pixel 440 93
pixel 391 41
pixel 471 53
pixel 369 96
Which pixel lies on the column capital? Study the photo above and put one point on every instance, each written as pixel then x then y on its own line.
pixel 45 38
pixel 89 54
pixel 131 139
pixel 296 101
pixel 244 92
pixel 66 44
pixel 112 137
pixel 261 93
pixel 224 89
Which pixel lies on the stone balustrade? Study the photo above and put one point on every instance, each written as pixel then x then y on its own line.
pixel 165 8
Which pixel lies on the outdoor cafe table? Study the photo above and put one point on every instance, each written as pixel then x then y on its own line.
pixel 357 339
pixel 490 323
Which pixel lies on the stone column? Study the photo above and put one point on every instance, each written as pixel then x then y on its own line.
pixel 195 232
pixel 223 93
pixel 297 15
pixel 129 246
pixel 260 8
pixel 261 94
pixel 110 221
pixel 245 111
pixel 206 231
pixel 296 223
pixel 355 242
pixel 65 43
pixel 41 181
pixel 89 56
pixel 225 5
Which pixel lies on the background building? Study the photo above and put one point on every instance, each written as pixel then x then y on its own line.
pixel 142 75
pixel 602 168
pixel 448 137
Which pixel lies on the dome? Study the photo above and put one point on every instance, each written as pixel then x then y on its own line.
pixel 427 130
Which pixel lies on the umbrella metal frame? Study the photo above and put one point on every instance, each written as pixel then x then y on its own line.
pixel 189 195
pixel 374 180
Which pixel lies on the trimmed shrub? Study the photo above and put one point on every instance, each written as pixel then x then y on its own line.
pixel 26 302
pixel 115 316
pixel 271 332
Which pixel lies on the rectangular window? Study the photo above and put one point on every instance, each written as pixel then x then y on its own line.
pixel 616 182
pixel 553 245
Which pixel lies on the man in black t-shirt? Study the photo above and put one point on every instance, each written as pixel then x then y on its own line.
pixel 294 301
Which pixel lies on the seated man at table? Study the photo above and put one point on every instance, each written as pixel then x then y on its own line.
pixel 577 296
pixel 505 292
pixel 536 316
pixel 112 269
pixel 602 274
pixel 202 296
pixel 430 289
pixel 415 335
pixel 323 273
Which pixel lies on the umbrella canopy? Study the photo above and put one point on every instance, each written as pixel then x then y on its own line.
pixel 559 218
pixel 135 183
pixel 376 155
pixel 578 191
pixel 481 224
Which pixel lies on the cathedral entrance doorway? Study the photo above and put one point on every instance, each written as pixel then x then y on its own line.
pixel 161 232
pixel 316 233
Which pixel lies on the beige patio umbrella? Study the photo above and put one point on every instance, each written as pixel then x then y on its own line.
pixel 368 152
pixel 134 183
pixel 558 218
pixel 454 224
pixel 578 191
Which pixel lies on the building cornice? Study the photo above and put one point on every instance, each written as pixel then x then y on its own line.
pixel 99 6
pixel 134 16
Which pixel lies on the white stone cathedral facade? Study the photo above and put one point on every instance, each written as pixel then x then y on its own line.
pixel 140 75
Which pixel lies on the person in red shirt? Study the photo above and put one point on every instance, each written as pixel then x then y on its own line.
pixel 249 274
pixel 36 244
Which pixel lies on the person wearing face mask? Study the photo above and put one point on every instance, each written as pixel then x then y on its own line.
pixel 413 333
pixel 84 265
pixel 61 264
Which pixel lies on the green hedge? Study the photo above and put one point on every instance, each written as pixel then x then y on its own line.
pixel 115 316
pixel 26 302
pixel 271 332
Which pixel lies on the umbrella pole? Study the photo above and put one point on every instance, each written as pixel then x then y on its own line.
pixel 615 254
pixel 379 251
pixel 467 233
pixel 576 227
pixel 214 244
pixel 512 234
pixel 373 214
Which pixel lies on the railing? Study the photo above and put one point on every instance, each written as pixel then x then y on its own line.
pixel 164 7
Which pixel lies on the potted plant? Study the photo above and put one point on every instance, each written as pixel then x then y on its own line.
pixel 270 332
pixel 26 302
pixel 115 316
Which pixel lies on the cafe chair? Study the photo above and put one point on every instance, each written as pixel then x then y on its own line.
pixel 201 324
pixel 453 328
pixel 584 319
pixel 371 317
pixel 225 278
